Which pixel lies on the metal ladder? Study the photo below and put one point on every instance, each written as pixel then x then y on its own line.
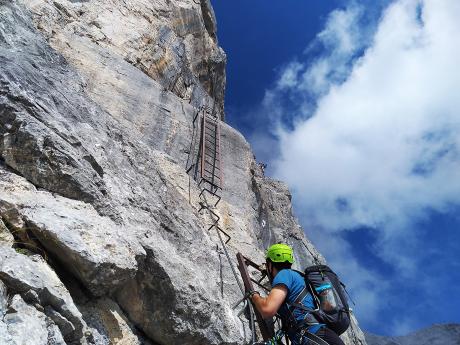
pixel 206 168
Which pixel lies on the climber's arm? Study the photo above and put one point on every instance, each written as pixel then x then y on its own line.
pixel 268 306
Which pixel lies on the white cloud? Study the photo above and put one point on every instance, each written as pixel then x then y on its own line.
pixel 379 144
pixel 289 77
pixel 342 38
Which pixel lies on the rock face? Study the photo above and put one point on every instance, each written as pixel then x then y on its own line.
pixel 448 334
pixel 174 42
pixel 102 240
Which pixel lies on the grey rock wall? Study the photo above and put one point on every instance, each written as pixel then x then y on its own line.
pixel 174 42
pixel 101 237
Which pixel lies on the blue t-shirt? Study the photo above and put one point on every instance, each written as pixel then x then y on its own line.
pixel 295 284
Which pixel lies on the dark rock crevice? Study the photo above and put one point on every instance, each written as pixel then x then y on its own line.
pixel 209 18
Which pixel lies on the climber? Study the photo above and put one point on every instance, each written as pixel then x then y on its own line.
pixel 290 299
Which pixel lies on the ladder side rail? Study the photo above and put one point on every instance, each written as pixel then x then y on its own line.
pixel 219 155
pixel 214 157
pixel 267 333
pixel 203 151
pixel 199 153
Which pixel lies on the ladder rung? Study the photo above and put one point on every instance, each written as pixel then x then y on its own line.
pixel 214 175
pixel 213 167
pixel 212 152
pixel 210 119
pixel 210 167
pixel 211 132
pixel 213 184
pixel 213 179
pixel 211 126
pixel 213 158
pixel 210 145
pixel 209 164
pixel 210 179
pixel 210 141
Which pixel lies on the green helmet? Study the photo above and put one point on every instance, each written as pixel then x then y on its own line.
pixel 280 253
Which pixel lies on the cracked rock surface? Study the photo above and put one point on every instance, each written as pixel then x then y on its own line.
pixel 102 240
pixel 174 42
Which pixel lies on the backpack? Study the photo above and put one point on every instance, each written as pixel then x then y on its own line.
pixel 333 309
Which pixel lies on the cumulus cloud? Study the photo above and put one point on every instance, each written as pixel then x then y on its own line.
pixel 300 85
pixel 342 39
pixel 375 140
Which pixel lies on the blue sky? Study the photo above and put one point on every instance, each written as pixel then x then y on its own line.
pixel 355 105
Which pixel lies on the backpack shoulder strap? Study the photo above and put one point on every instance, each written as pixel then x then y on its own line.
pixel 308 288
pixel 298 301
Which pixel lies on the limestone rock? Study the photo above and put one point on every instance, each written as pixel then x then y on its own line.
pixel 34 280
pixel 145 202
pixel 25 322
pixel 73 232
pixel 3 299
pixel 5 235
pixel 174 42
pixel 133 98
pixel 5 336
pixel 278 222
pixel 94 140
pixel 54 335
pixel 110 325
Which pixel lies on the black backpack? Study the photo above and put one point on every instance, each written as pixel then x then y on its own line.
pixel 333 310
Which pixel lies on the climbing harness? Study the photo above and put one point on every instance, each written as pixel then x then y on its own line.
pixel 276 340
